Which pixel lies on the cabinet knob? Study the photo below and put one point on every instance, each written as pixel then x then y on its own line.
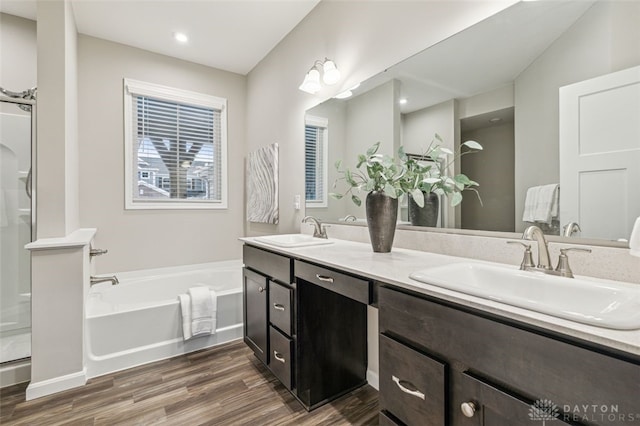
pixel 260 289
pixel 468 408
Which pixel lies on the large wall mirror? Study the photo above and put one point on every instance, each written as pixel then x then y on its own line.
pixel 550 89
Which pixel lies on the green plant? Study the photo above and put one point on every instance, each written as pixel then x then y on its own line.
pixel 430 172
pixel 410 175
pixel 381 173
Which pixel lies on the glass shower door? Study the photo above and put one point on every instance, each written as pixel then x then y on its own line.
pixel 15 230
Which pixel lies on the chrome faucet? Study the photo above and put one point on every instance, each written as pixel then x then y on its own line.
pixel 95 280
pixel 350 218
pixel 535 233
pixel 319 230
pixel 97 252
pixel 570 228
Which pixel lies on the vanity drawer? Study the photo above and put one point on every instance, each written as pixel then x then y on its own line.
pixel 354 288
pixel 281 359
pixel 280 307
pixel 271 264
pixel 412 385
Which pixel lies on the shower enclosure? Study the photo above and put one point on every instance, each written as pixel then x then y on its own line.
pixel 17 222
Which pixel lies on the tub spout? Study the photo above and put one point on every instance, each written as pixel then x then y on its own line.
pixel 96 280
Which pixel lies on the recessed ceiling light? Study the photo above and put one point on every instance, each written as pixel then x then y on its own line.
pixel 181 37
pixel 403 101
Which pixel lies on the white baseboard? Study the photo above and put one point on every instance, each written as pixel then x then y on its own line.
pixel 373 379
pixel 14 373
pixel 57 384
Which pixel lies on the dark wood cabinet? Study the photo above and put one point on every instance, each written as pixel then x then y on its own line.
pixel 255 299
pixel 307 323
pixel 477 403
pixel 501 367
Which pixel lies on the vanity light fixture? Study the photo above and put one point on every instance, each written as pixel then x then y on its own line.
pixel 403 101
pixel 330 75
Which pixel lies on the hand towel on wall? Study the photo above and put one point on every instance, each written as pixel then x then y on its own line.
pixel 541 203
pixel 199 311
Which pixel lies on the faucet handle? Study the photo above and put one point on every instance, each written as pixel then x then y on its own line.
pixel 563 268
pixel 527 259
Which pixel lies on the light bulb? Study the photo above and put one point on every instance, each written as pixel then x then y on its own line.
pixel 311 83
pixel 331 73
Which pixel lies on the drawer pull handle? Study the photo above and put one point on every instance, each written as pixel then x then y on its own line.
pixel 277 356
pixel 324 278
pixel 260 289
pixel 468 408
pixel 278 307
pixel 415 393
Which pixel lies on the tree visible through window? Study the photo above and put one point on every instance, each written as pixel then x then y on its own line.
pixel 177 147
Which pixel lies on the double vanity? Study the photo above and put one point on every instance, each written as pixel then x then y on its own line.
pixel 460 342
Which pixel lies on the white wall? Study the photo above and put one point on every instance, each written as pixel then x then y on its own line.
pixel 363 38
pixel 57 143
pixel 590 48
pixel 140 239
pixel 18 50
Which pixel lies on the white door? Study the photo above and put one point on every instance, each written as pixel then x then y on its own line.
pixel 600 154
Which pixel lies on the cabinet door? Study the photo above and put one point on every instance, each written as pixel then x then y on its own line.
pixel 256 327
pixel 478 403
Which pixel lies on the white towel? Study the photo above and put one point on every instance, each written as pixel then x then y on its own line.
pixel 541 203
pixel 199 310
pixel 185 308
pixel 634 239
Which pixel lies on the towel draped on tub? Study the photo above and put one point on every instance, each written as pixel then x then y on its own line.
pixel 199 307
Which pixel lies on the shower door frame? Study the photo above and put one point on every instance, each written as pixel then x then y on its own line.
pixel 32 181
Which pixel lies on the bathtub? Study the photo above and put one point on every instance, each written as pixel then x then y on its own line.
pixel 139 320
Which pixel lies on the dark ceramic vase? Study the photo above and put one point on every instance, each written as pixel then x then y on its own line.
pixel 382 213
pixel 427 215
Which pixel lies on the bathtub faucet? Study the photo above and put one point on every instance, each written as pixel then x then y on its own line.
pixel 96 280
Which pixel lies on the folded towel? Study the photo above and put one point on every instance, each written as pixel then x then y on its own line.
pixel 541 203
pixel 634 239
pixel 199 310
pixel 185 308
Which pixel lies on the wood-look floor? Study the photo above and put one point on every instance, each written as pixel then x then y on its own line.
pixel 224 385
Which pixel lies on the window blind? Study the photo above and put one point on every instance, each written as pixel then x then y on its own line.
pixel 314 163
pixel 178 151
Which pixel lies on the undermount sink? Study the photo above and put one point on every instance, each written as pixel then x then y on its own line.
pixel 293 240
pixel 603 303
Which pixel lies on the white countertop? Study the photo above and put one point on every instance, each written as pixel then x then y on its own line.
pixel 394 268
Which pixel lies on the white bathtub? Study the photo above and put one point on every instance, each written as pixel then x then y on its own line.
pixel 139 321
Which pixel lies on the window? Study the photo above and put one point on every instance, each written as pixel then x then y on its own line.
pixel 315 161
pixel 181 136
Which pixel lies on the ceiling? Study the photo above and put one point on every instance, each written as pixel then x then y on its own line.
pixel 232 35
pixel 488 55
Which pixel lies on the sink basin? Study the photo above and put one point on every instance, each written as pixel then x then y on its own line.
pixel 293 240
pixel 603 303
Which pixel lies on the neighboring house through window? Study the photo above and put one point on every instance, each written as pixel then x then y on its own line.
pixel 315 161
pixel 176 148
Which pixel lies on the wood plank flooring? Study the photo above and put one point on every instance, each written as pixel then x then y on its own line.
pixel 224 385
